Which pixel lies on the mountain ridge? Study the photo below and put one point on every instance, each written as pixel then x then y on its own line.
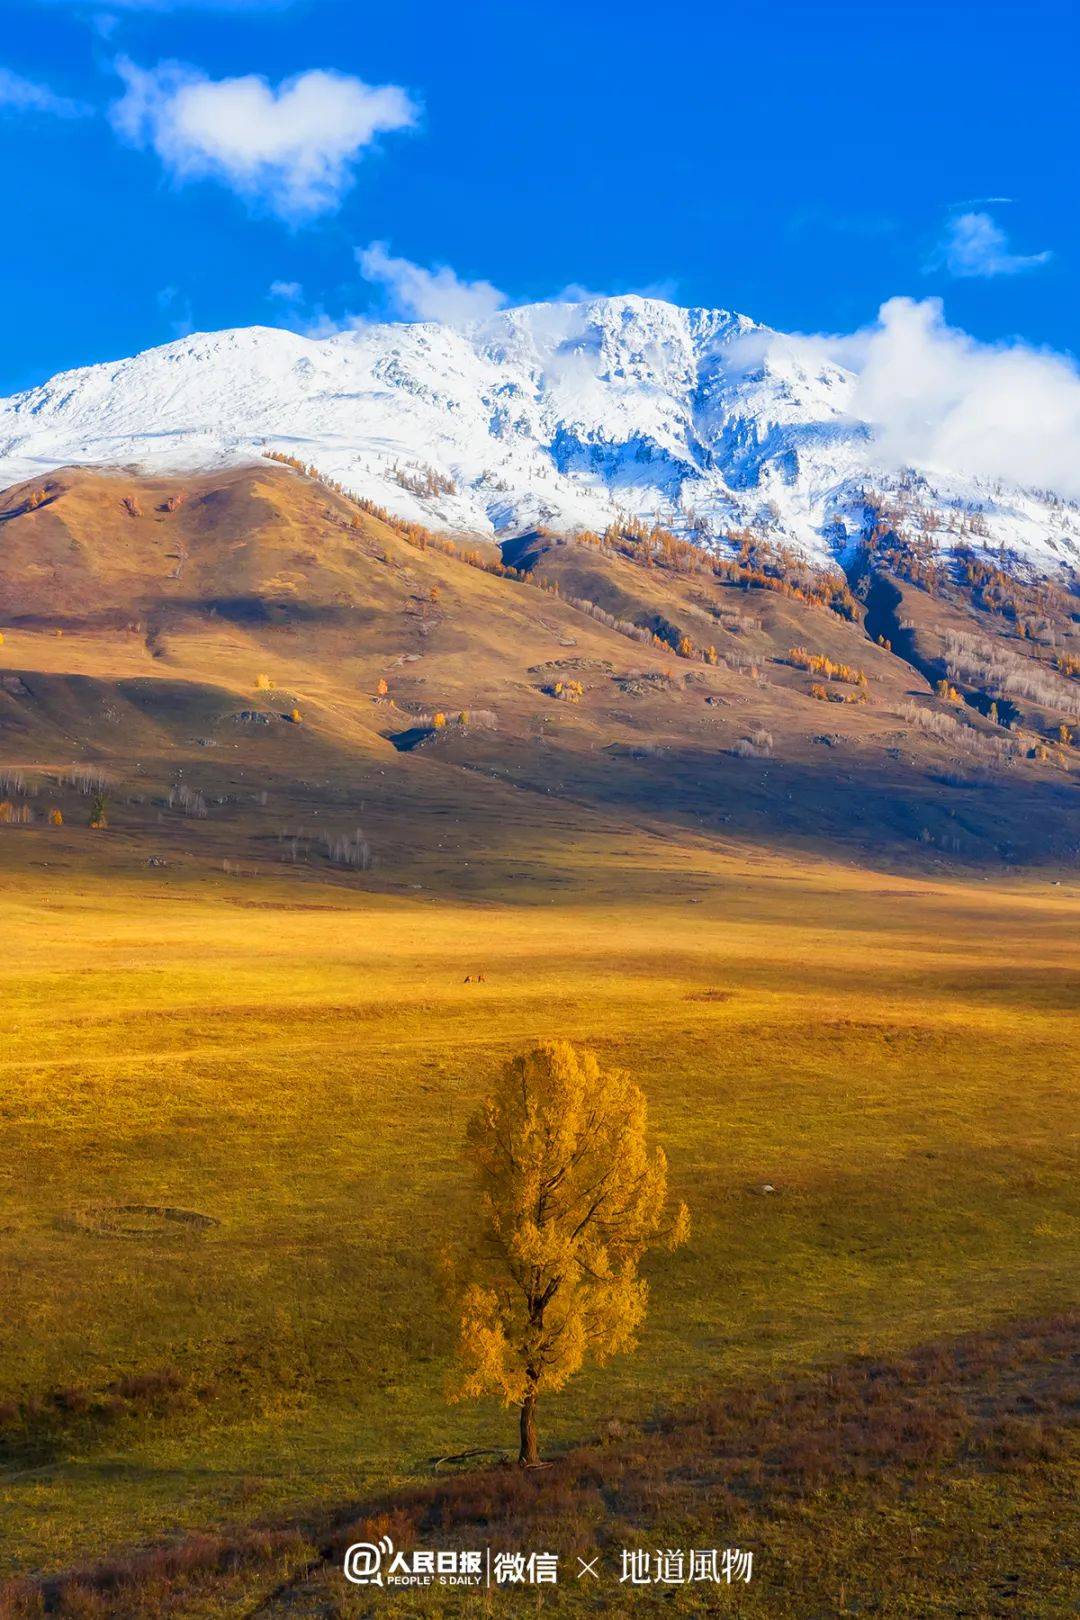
pixel 565 415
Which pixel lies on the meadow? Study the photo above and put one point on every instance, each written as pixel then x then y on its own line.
pixel 230 1120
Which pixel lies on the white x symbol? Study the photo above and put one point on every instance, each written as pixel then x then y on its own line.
pixel 588 1567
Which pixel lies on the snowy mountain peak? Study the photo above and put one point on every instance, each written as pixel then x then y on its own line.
pixel 563 414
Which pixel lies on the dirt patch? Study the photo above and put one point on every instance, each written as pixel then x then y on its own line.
pixel 603 665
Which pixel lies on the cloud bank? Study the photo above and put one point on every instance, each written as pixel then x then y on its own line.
pixel 291 148
pixel 939 398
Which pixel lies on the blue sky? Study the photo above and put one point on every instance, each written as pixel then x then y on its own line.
pixel 168 164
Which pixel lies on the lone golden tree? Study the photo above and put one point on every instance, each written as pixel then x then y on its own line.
pixel 571 1197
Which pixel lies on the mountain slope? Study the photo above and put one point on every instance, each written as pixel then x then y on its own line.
pixel 565 415
pixel 252 642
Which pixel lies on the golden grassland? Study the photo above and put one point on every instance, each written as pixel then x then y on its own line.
pixel 296 1060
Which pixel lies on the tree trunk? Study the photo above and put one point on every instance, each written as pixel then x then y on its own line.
pixel 529 1454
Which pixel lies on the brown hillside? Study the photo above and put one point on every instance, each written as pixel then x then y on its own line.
pixel 229 635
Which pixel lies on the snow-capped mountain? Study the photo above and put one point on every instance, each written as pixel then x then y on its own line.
pixel 563 414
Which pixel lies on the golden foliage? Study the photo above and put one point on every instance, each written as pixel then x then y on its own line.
pixel 291 461
pixel 820 664
pixel 382 686
pixel 571 1197
pixel 56 818
pixel 760 564
pixel 263 683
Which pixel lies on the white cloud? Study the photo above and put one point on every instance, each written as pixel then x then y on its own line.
pixel 291 148
pixel 974 244
pixel 27 95
pixel 428 295
pixel 440 294
pixel 290 291
pixel 939 398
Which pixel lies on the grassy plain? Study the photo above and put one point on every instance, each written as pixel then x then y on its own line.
pixel 295 1060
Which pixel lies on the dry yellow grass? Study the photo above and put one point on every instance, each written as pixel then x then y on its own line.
pixel 296 1062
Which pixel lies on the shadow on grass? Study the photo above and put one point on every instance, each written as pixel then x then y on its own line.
pixel 989 1404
